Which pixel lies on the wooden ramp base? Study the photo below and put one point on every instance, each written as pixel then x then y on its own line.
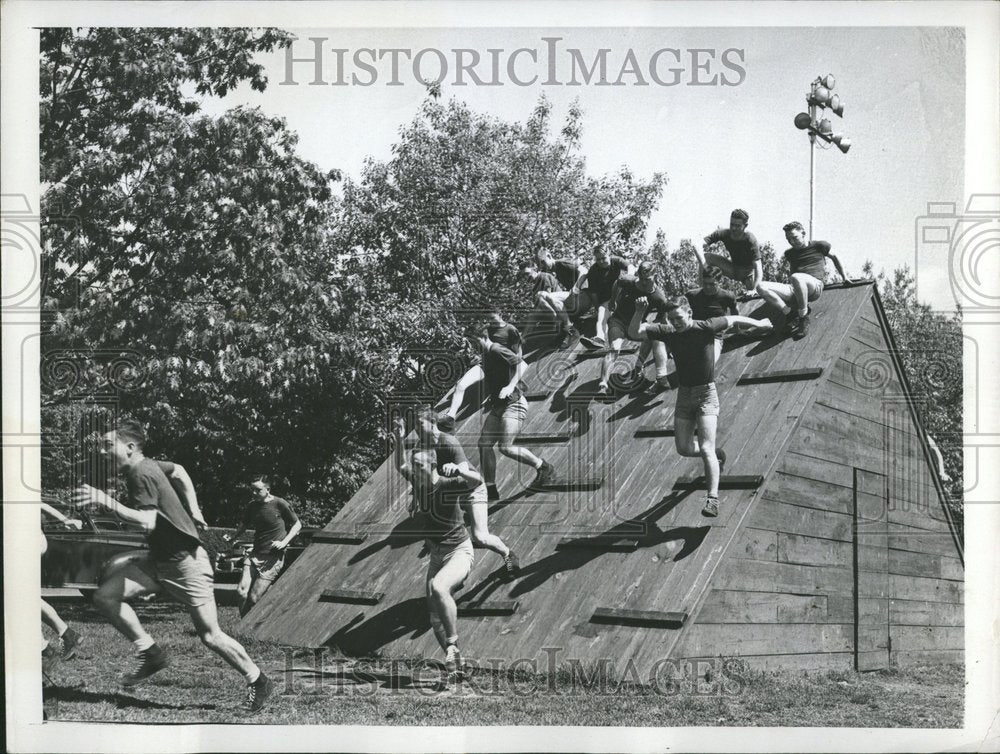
pixel 726 482
pixel 351 597
pixel 541 438
pixel 639 618
pixel 654 430
pixel 609 544
pixel 569 485
pixel 338 538
pixel 499 607
pixel 780 375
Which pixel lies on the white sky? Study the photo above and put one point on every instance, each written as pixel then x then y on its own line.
pixel 721 147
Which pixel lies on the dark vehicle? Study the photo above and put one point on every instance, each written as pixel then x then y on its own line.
pixel 79 559
pixel 228 560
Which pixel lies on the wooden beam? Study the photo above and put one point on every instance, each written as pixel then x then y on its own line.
pixel 537 395
pixel 541 438
pixel 780 375
pixel 351 597
pixel 594 353
pixel 569 484
pixel 610 544
pixel 338 538
pixel 654 430
pixel 726 482
pixel 643 618
pixel 493 608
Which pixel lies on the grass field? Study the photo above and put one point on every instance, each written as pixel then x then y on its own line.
pixel 199 688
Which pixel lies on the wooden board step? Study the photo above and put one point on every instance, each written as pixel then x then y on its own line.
pixel 780 375
pixel 643 618
pixel 726 482
pixel 338 538
pixel 488 608
pixel 654 430
pixel 351 597
pixel 537 395
pixel 610 544
pixel 569 485
pixel 541 438
pixel 592 353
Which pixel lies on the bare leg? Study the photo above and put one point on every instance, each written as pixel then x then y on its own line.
pixel 706 436
pixel 509 428
pixel 481 531
pixel 52 619
pixel 440 586
pixel 206 623
pixel 778 295
pixel 257 589
pixel 487 439
pixel 126 583
pixel 801 293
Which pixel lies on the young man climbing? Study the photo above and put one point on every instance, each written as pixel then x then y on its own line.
pixel 503 332
pixel 807 266
pixel 594 290
pixel 743 263
pixel 507 408
pixel 711 300
pixel 66 636
pixel 628 294
pixel 563 303
pixel 437 434
pixel 439 515
pixel 696 414
pixel 544 286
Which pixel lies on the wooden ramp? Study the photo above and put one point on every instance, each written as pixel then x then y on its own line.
pixel 616 568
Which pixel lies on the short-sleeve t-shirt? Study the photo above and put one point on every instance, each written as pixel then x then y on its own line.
pixel 629 291
pixel 567 272
pixel 439 513
pixel 693 349
pixel 174 534
pixel 270 519
pixel 506 335
pixel 545 282
pixel 706 305
pixel 449 450
pixel 499 366
pixel 743 251
pixel 810 259
pixel 600 280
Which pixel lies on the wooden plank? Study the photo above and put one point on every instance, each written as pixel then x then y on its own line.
pixel 909 638
pixel 755 544
pixel 796 519
pixel 923 564
pixel 801 662
pixel 728 639
pixel 537 395
pixel 654 430
pixel 644 618
pixel 338 538
pixel 608 544
pixel 568 484
pixel 726 482
pixel 789 488
pixel 764 576
pixel 351 596
pixel 781 375
pixel 906 538
pixel 928 657
pixel 795 548
pixel 730 606
pixel 542 438
pixel 917 613
pixel 487 609
pixel 924 589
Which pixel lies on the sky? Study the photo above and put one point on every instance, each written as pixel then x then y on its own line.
pixel 721 147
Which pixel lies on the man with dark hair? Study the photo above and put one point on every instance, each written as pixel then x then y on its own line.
pixel 544 287
pixel 438 434
pixel 807 266
pixel 502 332
pixel 692 343
pixel 275 525
pixel 563 303
pixel 743 264
pixel 711 300
pixel 502 370
pixel 177 564
pixel 439 515
pixel 594 290
pixel 629 294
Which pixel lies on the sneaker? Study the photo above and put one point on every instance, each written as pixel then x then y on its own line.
pixel 258 693
pixel 453 662
pixel 791 321
pixel 721 455
pixel 512 566
pixel 151 660
pixel 803 327
pixel 603 389
pixel 50 658
pixel 544 474
pixel 711 509
pixel 594 342
pixel 492 493
pixel 565 337
pixel 70 644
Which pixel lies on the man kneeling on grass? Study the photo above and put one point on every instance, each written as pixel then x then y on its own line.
pixel 692 343
pixel 177 565
pixel 437 507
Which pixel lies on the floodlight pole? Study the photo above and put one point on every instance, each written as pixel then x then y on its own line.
pixel 812 181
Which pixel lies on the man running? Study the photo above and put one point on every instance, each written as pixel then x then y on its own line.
pixel 711 300
pixel 696 414
pixel 503 332
pixel 628 294
pixel 807 265
pixel 594 290
pixel 439 514
pixel 275 525
pixel 743 264
pixel 177 564
pixel 66 636
pixel 437 434
pixel 502 371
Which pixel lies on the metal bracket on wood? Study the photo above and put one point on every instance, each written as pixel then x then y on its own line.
pixel 726 481
pixel 640 618
pixel 781 375
pixel 351 597
pixel 338 538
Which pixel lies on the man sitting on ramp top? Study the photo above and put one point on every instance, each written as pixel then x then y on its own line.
pixel 594 290
pixel 696 414
pixel 743 264
pixel 563 303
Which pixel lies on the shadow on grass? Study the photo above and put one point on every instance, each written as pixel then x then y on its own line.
pixel 79 695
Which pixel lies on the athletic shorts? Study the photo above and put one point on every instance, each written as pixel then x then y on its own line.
pixel 617 330
pixel 743 275
pixel 190 580
pixel 700 400
pixel 266 568
pixel 442 554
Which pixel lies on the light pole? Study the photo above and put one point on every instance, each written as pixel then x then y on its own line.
pixel 820 97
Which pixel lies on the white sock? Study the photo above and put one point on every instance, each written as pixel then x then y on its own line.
pixel 143 643
pixel 803 311
pixel 63 631
pixel 786 309
pixel 253 675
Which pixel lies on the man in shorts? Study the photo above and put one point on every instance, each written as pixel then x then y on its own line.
pixel 564 302
pixel 629 294
pixel 438 434
pixel 807 266
pixel 711 300
pixel 507 408
pixel 692 343
pixel 743 263
pixel 177 565
pixel 275 525
pixel 435 504
pixel 594 291
pixel 548 301
pixel 68 637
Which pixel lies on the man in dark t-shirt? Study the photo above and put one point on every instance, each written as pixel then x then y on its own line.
pixel 594 290
pixel 807 266
pixel 177 564
pixel 743 264
pixel 548 297
pixel 500 371
pixel 692 343
pixel 711 300
pixel 275 525
pixel 503 333
pixel 562 303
